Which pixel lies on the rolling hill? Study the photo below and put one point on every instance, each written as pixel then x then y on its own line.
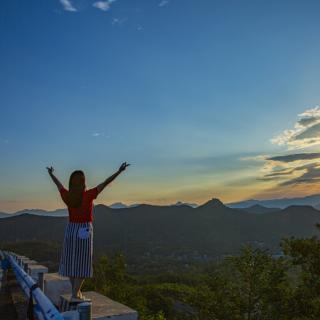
pixel 212 228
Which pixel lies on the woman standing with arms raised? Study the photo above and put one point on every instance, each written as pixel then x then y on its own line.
pixel 77 250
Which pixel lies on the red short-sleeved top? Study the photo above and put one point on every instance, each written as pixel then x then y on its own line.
pixel 84 212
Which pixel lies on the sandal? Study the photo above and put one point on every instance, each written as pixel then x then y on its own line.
pixel 83 298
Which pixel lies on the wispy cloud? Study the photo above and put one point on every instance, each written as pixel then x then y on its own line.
pixel 310 174
pixel 290 169
pixel 306 131
pixel 290 173
pixel 295 157
pixel 103 5
pixel 67 5
pixel 118 21
pixel 260 157
pixel 99 134
pixel 163 3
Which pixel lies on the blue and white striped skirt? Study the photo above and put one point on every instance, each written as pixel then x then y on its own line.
pixel 77 250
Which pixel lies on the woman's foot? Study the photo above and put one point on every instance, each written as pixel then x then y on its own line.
pixel 75 298
pixel 82 297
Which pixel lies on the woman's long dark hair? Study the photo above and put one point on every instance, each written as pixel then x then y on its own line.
pixel 77 184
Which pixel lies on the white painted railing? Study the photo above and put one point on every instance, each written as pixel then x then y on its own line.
pixel 43 309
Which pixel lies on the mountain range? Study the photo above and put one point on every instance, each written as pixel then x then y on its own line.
pixel 251 205
pixel 64 212
pixel 211 229
pixel 312 200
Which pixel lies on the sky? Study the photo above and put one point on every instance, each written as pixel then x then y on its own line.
pixel 203 98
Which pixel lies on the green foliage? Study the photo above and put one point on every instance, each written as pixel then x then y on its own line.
pixel 46 252
pixel 304 254
pixel 252 285
pixel 260 285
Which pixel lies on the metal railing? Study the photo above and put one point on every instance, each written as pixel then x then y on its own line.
pixel 43 308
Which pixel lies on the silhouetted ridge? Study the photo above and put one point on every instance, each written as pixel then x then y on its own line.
pixel 259 209
pixel 282 203
pixel 149 230
pixel 297 208
pixel 213 203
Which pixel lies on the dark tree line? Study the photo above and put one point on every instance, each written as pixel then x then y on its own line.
pixel 250 286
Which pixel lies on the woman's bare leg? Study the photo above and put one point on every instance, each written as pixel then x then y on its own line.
pixel 78 282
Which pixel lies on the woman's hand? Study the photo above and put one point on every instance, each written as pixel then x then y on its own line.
pixel 54 178
pixel 102 185
pixel 123 166
pixel 50 170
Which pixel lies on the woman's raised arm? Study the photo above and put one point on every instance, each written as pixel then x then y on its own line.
pixel 54 178
pixel 102 185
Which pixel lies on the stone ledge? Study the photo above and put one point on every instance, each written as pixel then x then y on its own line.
pixel 35 269
pixel 55 286
pixel 104 308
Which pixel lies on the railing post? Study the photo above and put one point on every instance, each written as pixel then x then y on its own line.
pixel 84 309
pixel 27 263
pixel 41 280
pixel 20 259
pixel 36 271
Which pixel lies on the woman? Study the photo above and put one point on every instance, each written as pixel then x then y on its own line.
pixel 76 257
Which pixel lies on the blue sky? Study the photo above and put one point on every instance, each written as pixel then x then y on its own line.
pixel 196 95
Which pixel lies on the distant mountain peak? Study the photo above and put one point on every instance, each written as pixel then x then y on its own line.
pixel 213 203
pixel 118 205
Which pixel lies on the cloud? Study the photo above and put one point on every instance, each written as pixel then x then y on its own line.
pixel 290 169
pixel 305 122
pixel 311 174
pixel 118 21
pixel 295 157
pixel 260 157
pixel 292 173
pixel 67 5
pixel 312 132
pixel 277 174
pixel 280 171
pixel 103 5
pixel 100 134
pixel 306 131
pixel 163 3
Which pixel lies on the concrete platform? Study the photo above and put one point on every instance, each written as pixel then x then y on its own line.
pixel 29 261
pixel 35 269
pixel 55 286
pixel 26 263
pixel 104 308
pixel 19 259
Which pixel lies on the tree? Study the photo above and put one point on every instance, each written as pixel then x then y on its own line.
pixel 304 255
pixel 260 285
